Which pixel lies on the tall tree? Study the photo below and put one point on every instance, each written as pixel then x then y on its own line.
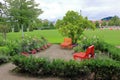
pixel 4 28
pixel 72 25
pixel 23 12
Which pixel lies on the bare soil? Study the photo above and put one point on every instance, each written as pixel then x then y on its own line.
pixel 54 52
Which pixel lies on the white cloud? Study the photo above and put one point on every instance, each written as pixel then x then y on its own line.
pixel 57 8
pixel 93 9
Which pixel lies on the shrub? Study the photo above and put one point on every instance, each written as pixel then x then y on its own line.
pixel 30 64
pixel 2 42
pixel 14 47
pixel 28 44
pixel 100 45
pixel 106 69
pixel 4 50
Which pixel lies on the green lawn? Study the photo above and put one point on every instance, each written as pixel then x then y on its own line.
pixel 109 36
pixel 53 36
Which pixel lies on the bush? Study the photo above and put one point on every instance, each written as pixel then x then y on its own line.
pixel 100 45
pixel 4 50
pixel 106 69
pixel 30 64
pixel 2 42
pixel 28 44
pixel 13 47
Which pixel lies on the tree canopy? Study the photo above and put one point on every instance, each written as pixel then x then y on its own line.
pixel 73 24
pixel 115 21
pixel 23 12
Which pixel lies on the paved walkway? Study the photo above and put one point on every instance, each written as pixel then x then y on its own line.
pixel 52 53
pixel 56 52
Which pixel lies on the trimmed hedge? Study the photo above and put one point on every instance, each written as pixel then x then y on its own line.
pixel 106 69
pixel 114 52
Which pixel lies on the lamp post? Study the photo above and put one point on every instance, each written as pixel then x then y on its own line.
pixel 80 12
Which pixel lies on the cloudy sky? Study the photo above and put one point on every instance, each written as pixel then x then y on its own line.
pixel 93 9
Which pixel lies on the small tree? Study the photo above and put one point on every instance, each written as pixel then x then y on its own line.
pixel 104 23
pixel 72 25
pixel 97 24
pixel 51 25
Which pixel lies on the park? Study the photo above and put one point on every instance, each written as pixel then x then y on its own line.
pixel 73 48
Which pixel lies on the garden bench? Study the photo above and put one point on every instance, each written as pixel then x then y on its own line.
pixel 85 55
pixel 67 43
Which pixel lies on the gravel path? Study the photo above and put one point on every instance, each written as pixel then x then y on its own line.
pixel 56 52
pixel 53 52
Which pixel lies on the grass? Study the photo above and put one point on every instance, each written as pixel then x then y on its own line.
pixel 53 36
pixel 109 36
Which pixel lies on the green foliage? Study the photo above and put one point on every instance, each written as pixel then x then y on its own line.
pixel 100 45
pixel 115 21
pixel 52 25
pixel 23 12
pixel 78 48
pixel 13 47
pixel 88 41
pixel 29 64
pixel 53 36
pixel 72 25
pixel 4 51
pixel 47 25
pixel 37 24
pixel 103 68
pixel 4 29
pixel 104 23
pixel 2 42
pixel 97 24
pixel 29 43
pixel 16 28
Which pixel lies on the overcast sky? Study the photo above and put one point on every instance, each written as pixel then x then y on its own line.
pixel 93 9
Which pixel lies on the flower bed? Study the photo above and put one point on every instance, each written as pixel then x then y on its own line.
pixel 27 46
pixel 34 45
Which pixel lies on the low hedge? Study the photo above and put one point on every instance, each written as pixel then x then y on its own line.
pixel 103 69
pixel 113 51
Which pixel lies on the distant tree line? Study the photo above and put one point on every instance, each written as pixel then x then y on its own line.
pixel 114 21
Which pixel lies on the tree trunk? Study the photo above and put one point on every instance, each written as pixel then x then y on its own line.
pixel 4 35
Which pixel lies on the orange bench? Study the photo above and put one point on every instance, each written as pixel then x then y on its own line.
pixel 67 43
pixel 85 55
